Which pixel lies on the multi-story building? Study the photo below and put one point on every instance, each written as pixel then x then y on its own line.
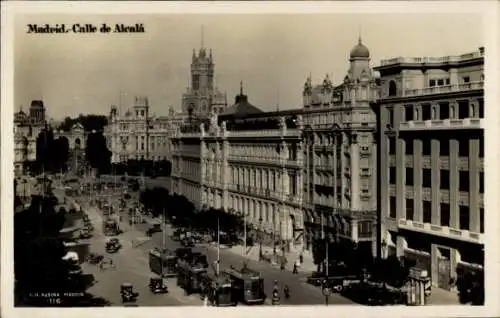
pixel 245 161
pixel 203 97
pixel 138 135
pixel 27 127
pixel 431 162
pixel 340 155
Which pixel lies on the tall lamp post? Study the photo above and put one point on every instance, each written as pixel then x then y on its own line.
pixel 260 237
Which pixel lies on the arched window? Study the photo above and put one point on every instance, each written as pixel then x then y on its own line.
pixel 392 88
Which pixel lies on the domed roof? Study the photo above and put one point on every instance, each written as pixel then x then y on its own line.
pixel 360 50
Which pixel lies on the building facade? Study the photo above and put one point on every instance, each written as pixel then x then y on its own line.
pixel 136 134
pixel 340 155
pixel 203 98
pixel 245 161
pixel 431 162
pixel 27 127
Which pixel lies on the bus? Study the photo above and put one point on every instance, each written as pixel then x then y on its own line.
pixel 218 289
pixel 189 277
pixel 248 285
pixel 162 262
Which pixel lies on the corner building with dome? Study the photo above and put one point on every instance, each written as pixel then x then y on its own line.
pixel 340 177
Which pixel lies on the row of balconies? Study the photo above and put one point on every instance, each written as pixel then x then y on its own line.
pixel 444 162
pixel 463 197
pixel 444 89
pixel 442 124
pixel 266 193
pixel 275 161
pixel 443 231
pixel 433 60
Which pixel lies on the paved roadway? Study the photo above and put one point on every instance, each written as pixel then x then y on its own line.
pixel 131 266
pixel 301 292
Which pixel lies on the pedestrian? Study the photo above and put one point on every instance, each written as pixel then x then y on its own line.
pixel 301 259
pixel 295 268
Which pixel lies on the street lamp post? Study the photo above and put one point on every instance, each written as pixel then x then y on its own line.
pixel 244 233
pixel 274 236
pixel 260 237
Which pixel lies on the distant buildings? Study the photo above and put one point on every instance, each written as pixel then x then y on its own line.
pixel 27 127
pixel 431 167
pixel 137 134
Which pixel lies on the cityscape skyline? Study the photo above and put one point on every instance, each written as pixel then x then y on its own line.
pixel 163 75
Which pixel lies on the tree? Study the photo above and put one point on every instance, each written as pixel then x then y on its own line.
pixel 38 251
pixel 89 122
pixel 319 253
pixel 97 152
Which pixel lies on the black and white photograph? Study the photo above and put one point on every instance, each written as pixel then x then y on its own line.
pixel 329 156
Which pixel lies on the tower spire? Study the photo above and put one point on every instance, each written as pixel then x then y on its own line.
pixel 241 87
pixel 278 100
pixel 202 36
pixel 359 35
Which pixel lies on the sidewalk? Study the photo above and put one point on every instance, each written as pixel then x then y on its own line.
pixel 253 253
pixel 442 297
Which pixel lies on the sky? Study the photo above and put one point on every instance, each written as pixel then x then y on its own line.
pixel 271 53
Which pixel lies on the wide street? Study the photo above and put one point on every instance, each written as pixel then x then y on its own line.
pixel 132 266
pixel 301 292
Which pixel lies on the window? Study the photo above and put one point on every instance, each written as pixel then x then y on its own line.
pixel 392 207
pixel 481 107
pixel 392 145
pixel 464 217
pixel 444 147
pixel 426 147
pixel 463 181
pixel 426 112
pixel 445 214
pixel 445 179
pixel 444 111
pixel 463 148
pixel 481 148
pixel 390 112
pixel 196 82
pixel 142 113
pixel 427 211
pixel 466 79
pixel 392 88
pixel 426 178
pixel 481 220
pixel 447 81
pixel 409 209
pixel 440 82
pixel 365 229
pixel 481 182
pixel 463 109
pixel 409 147
pixel 432 83
pixel 409 176
pixel 392 175
pixel 408 112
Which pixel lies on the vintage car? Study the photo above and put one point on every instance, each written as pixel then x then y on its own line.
pixel 128 293
pixel 113 245
pixel 157 286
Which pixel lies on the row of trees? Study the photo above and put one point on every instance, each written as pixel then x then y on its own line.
pixel 89 122
pixel 149 168
pixel 179 211
pixel 51 154
pixel 38 252
pixel 348 254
